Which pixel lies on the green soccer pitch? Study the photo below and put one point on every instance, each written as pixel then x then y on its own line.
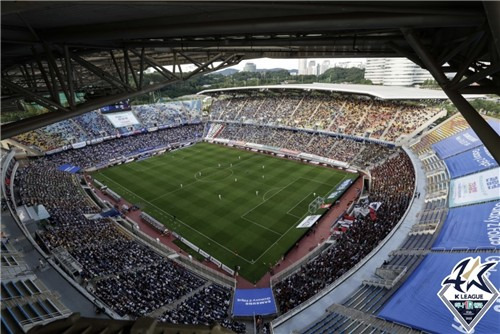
pixel 252 224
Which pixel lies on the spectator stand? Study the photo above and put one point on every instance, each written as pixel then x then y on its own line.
pixel 53 262
pixel 292 317
pixel 183 307
pixel 94 127
pixel 353 149
pixel 134 227
pixel 349 114
pixel 34 188
pixel 25 300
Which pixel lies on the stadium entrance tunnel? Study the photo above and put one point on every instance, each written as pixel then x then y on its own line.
pixel 213 174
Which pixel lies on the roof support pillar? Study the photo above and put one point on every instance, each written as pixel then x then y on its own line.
pixel 483 130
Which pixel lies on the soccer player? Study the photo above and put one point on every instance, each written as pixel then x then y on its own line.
pixel 220 197
pixel 235 180
pixel 256 193
pixel 181 185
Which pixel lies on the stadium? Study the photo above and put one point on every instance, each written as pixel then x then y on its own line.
pixel 274 208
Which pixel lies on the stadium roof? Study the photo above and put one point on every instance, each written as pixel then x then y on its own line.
pixel 381 92
pixel 103 48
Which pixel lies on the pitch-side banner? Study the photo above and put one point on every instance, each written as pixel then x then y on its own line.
pixel 250 302
pixel 472 227
pixel 308 221
pixel 475 188
pixel 469 162
pixel 460 142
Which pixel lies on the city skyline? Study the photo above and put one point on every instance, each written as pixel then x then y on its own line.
pixel 292 64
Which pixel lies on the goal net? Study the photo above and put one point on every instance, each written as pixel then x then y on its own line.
pixel 315 204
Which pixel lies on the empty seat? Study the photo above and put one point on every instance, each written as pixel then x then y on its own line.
pixel 32 286
pixel 39 309
pixel 9 323
pixel 22 288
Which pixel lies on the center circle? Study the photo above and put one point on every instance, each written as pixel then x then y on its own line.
pixel 213 174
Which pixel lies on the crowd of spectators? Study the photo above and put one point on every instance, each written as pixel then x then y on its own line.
pixel 378 116
pixel 327 112
pixel 94 124
pixel 410 118
pixel 125 274
pixel 36 139
pixel 93 155
pixel 392 185
pixel 65 132
pixel 210 304
pixel 137 292
pixel 305 112
pixel 169 114
pixel 134 280
pixel 359 153
pixel 352 115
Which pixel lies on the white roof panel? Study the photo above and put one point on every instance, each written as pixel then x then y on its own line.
pixel 381 92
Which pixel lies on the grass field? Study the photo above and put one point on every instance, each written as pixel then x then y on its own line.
pixel 263 199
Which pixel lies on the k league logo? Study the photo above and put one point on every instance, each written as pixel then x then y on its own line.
pixel 467 292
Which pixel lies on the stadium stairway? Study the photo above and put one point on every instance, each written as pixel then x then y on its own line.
pixel 391 122
pixel 334 119
pixel 22 316
pixel 168 307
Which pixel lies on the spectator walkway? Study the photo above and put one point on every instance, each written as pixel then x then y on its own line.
pixel 168 307
pixel 69 296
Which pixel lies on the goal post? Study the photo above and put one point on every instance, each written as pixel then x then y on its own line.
pixel 316 204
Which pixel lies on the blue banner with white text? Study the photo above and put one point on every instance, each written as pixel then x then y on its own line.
pixel 471 227
pixel 462 141
pixel 68 168
pixel 468 162
pixel 250 302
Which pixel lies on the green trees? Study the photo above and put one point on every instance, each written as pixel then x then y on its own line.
pixel 344 75
pixel 268 77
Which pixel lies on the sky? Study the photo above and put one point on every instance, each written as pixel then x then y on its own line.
pixel 289 64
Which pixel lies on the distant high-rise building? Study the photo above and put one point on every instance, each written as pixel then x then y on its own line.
pixel 311 69
pixel 395 72
pixel 249 67
pixel 302 66
pixel 349 64
pixel 325 65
